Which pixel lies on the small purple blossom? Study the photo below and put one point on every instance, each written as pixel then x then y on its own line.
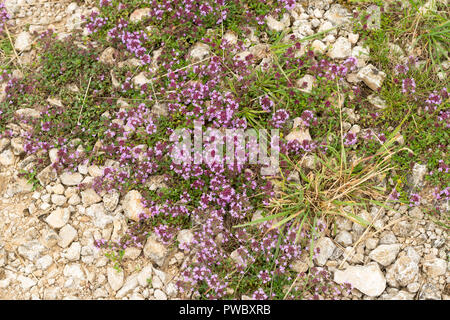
pixel 259 295
pixel 350 139
pixel 408 85
pixel 414 200
pixel 279 118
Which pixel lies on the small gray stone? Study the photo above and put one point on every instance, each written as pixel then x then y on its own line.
pixel 160 295
pixel 25 282
pixel 155 251
pixel 73 253
pixel 344 238
pixel 132 205
pixel 115 278
pixel 71 179
pixel 405 270
pixel 385 254
pixel 416 213
pixel 338 14
pixel 111 200
pixel 17 146
pixel 66 235
pixel 278 26
pixel 341 49
pixel 28 113
pixel 74 200
pixel 31 250
pixel 388 237
pixel 299 132
pixel 171 290
pixel 412 254
pixel 429 292
pixel 47 175
pixel 199 52
pixel 326 247
pixel 45 262
pixel 128 286
pixel 131 253
pixel 140 79
pixel 377 101
pixel 145 275
pixel 74 271
pixel 89 197
pixel 108 56
pixel 401 295
pixel 372 243
pixel 58 199
pixel 307 79
pixel 139 14
pixel 58 218
pixel 185 237
pixel 97 212
pixel 318 46
pixel 50 238
pixel 413 287
pixel 236 257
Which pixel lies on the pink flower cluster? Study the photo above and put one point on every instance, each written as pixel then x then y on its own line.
pixel 4 16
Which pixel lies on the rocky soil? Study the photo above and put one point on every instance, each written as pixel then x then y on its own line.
pixel 47 236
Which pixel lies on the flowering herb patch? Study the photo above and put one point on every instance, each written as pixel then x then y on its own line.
pixel 144 70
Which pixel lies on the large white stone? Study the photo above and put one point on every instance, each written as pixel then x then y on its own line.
pixel 7 158
pixel 368 279
pixel 434 267
pixel 23 41
pixel 372 77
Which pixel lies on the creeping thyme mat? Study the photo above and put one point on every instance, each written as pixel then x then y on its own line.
pixel 116 123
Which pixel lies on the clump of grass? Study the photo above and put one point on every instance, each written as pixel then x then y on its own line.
pixel 431 28
pixel 402 40
pixel 338 180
